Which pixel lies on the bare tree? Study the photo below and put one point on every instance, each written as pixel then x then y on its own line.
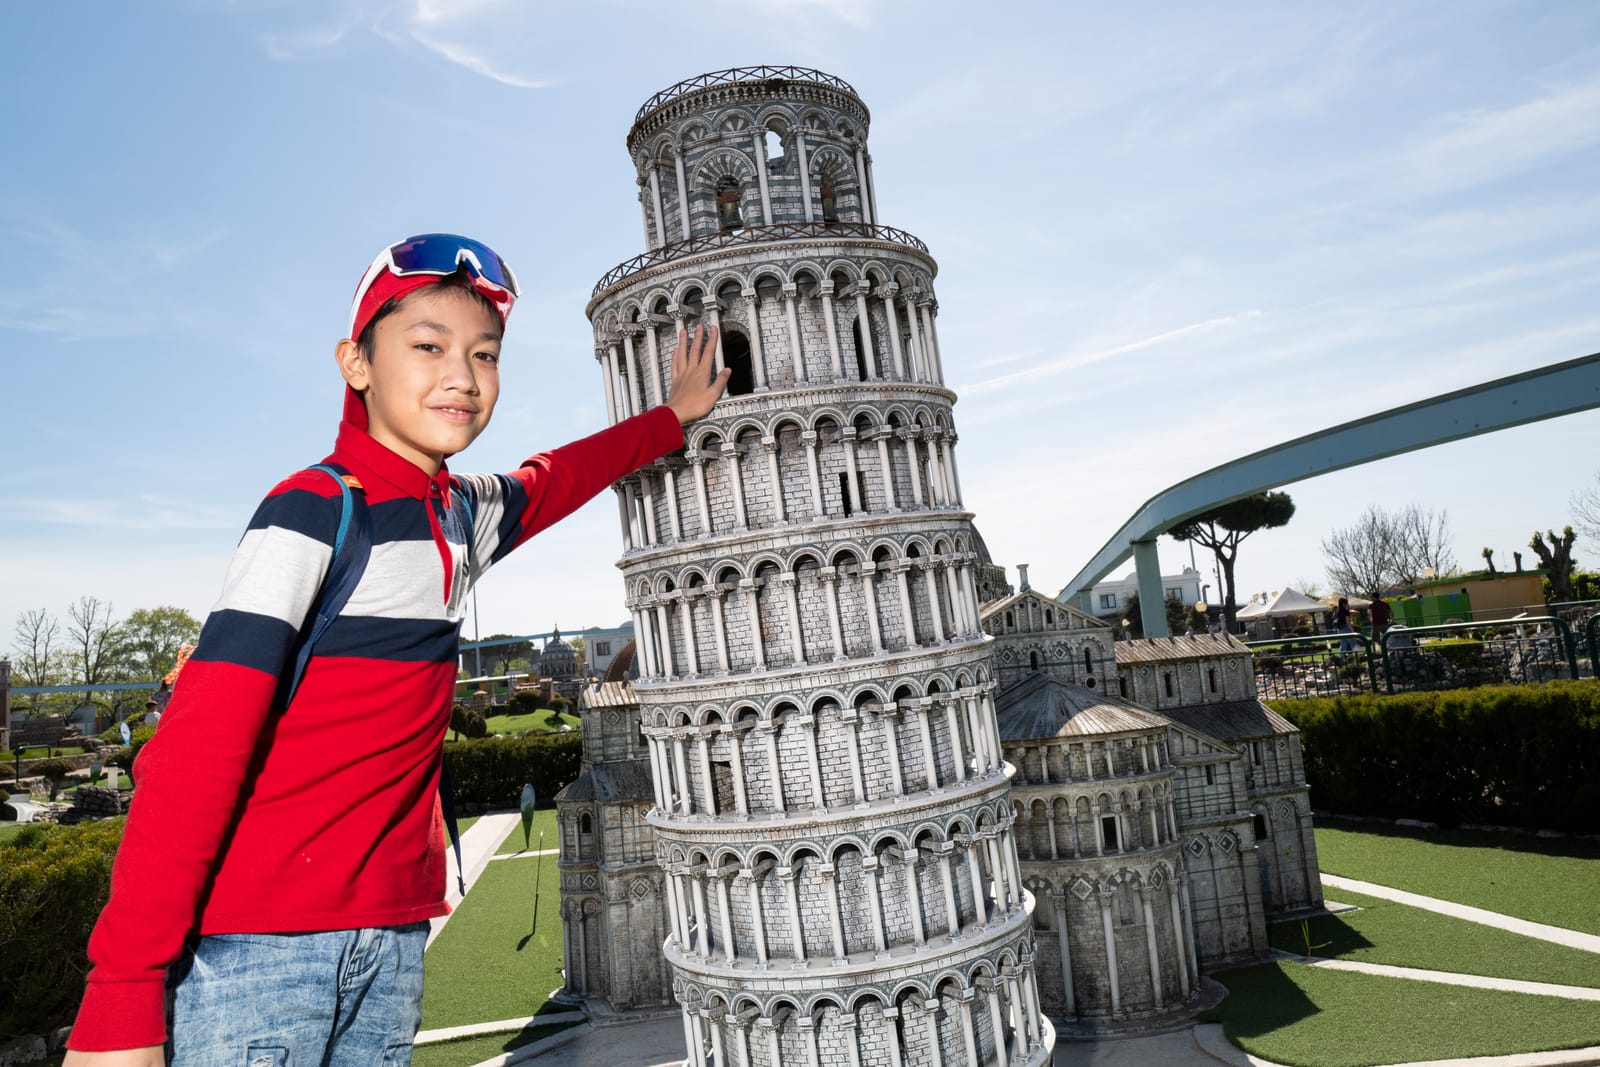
pixel 1585 505
pixel 35 645
pixel 1384 549
pixel 1557 560
pixel 97 653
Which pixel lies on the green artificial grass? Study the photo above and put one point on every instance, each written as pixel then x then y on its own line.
pixel 477 1049
pixel 1403 936
pixel 488 964
pixel 544 720
pixel 1546 880
pixel 1304 1016
pixel 545 820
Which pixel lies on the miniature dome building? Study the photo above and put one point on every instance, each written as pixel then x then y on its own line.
pixel 831 809
pixel 558 659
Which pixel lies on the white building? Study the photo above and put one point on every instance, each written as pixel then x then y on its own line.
pixel 1109 598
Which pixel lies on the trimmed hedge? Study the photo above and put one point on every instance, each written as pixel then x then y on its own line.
pixel 53 882
pixel 491 773
pixel 1503 755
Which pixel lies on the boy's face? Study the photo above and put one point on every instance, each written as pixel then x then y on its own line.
pixel 434 376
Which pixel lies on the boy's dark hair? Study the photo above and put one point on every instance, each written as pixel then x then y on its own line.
pixel 459 280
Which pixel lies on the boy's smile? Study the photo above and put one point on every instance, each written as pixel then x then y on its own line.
pixel 434 375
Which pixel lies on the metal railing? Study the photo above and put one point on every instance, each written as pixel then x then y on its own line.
pixel 1458 655
pixel 749 235
pixel 1319 665
pixel 734 75
pixel 1591 635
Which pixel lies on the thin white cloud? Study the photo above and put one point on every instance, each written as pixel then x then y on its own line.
pixel 1489 144
pixel 1082 359
pixel 463 56
pixel 856 13
pixel 144 511
pixel 300 43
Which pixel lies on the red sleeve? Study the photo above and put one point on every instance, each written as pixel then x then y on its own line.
pixel 559 482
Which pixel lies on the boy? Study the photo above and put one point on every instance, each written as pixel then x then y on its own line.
pixel 280 864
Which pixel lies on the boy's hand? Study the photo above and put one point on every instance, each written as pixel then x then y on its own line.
pixel 154 1056
pixel 694 390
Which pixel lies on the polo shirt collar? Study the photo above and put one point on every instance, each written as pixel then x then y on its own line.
pixel 355 442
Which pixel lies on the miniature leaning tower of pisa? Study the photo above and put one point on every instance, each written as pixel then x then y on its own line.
pixel 831 806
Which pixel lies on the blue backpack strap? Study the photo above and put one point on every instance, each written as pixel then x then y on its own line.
pixel 352 547
pixel 447 792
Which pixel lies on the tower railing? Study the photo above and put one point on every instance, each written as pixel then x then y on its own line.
pixel 742 74
pixel 749 235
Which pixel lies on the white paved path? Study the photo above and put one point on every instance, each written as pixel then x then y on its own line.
pixel 1555 934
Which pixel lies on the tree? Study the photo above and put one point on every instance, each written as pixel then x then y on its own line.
pixel 580 647
pixel 1557 560
pixel 1383 549
pixel 152 637
pixel 37 649
pixel 1586 509
pixel 95 652
pixel 1222 528
pixel 1181 617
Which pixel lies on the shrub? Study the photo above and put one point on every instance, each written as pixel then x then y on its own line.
pixel 491 773
pixel 54 771
pixel 526 702
pixel 474 724
pixel 1508 755
pixel 53 882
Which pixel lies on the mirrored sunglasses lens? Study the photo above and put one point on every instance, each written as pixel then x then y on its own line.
pixel 440 253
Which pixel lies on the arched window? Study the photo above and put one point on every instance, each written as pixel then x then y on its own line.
pixel 830 203
pixel 1261 827
pixel 1011 621
pixel 728 205
pixel 585 824
pixel 1166 679
pixel 1088 664
pixel 1033 660
pixel 861 352
pixel 736 357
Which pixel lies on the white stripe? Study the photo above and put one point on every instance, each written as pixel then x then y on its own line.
pixel 403 580
pixel 275 572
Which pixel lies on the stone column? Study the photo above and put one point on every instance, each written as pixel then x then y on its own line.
pixel 680 760
pixel 669 479
pixel 948 444
pixel 787 875
pixel 647 667
pixel 818 797
pixel 905 604
pixel 930 1016
pixel 720 625
pixel 690 642
pixel 753 609
pixel 649 505
pixel 880 943
pixel 887 293
pixel 809 437
pixel 658 777
pixel 758 358
pixel 730 452
pixel 870 592
pixel 805 171
pixel 830 881
pixel 702 917
pixel 728 952
pixel 795 351
pixel 797 647
pixel 939 636
pixel 851 720
pixel 958 607
pixel 655 198
pixel 683 195
pixel 658 395
pixel 830 324
pixel 770 1028
pixel 808 1027
pixel 934 362
pixel 1177 935
pixel 1111 948
pixel 1150 944
pixel 980 900
pixel 604 359
pixel 775 478
pixel 853 476
pixel 887 714
pixel 766 200
pixel 634 527
pixel 829 578
pixel 703 748
pixel 967 1035
pixel 952 913
pixel 774 770
pixel 936 497
pixel 713 311
pixel 666 641
pixel 1066 952
pixel 624 395
pixel 741 786
pixel 635 379
pixel 691 1040
pixel 910 439
pixel 748 877
pixel 992 988
pixel 918 354
pixel 928 753
pixel 914 896
pixel 714 1024
pixel 868 356
pixel 882 437
pixel 698 460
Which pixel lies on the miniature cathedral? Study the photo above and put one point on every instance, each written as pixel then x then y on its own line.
pixel 811 752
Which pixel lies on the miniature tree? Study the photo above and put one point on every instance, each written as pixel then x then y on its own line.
pixel 1557 560
pixel 1222 528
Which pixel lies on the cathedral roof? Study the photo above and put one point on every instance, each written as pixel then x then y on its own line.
pixel 1042 707
pixel 611 783
pixel 621 664
pixel 1080 619
pixel 608 695
pixel 1169 649
pixel 1232 719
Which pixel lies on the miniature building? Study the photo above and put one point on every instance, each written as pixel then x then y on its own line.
pixel 613 893
pixel 1160 825
pixel 558 660
pixel 830 807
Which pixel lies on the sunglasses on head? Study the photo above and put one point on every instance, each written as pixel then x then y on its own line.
pixel 441 254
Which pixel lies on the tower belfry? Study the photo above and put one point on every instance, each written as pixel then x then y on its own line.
pixel 831 807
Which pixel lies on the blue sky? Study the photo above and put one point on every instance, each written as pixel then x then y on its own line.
pixel 1168 235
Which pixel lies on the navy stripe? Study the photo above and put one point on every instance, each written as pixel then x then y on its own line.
pixel 403 640
pixel 514 502
pixel 302 511
pixel 245 638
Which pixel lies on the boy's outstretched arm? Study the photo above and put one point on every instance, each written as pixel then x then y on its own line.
pixel 694 388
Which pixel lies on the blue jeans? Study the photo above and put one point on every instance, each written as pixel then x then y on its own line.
pixel 342 998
